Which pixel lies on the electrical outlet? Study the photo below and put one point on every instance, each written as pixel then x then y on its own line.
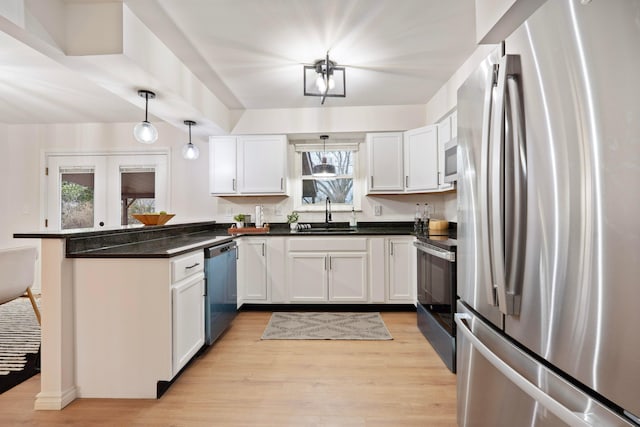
pixel 377 210
pixel 277 211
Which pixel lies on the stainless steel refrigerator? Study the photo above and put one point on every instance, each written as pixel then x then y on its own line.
pixel 549 222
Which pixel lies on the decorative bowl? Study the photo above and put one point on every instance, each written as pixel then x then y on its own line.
pixel 153 218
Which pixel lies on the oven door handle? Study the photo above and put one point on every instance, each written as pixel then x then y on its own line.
pixel 436 252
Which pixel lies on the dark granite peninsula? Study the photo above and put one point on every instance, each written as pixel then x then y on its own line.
pixel 107 294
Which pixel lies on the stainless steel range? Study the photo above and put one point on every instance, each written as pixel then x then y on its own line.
pixel 437 293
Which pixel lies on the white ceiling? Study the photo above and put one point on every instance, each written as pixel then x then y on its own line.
pixel 250 53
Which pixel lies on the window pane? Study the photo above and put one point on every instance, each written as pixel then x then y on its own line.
pixel 76 201
pixel 342 160
pixel 339 190
pixel 137 194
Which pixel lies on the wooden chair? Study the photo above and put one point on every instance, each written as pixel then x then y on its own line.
pixel 17 272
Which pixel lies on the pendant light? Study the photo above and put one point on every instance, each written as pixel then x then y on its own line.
pixel 145 132
pixel 190 151
pixel 324 169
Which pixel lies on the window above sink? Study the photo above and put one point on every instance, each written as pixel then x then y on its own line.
pixel 310 192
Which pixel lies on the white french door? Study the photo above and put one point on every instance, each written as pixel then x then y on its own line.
pixel 90 191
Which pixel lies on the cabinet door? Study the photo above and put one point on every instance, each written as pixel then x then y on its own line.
pixel 188 319
pixel 385 163
pixel 307 276
pixel 421 159
pixel 401 270
pixel 252 269
pixel 222 165
pixel 347 276
pixel 262 161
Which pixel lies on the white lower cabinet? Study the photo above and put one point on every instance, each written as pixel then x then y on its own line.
pixel 187 299
pixel 327 270
pixel 139 320
pixel 347 277
pixel 308 277
pixel 252 269
pixel 261 270
pixel 401 270
pixel 315 269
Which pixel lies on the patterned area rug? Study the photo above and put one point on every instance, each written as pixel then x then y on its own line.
pixel 19 343
pixel 326 326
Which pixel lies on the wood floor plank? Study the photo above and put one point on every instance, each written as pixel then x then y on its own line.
pixel 244 381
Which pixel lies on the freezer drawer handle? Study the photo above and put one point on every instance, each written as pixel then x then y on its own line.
pixel 559 410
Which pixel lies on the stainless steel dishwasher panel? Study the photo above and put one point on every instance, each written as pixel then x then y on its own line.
pixel 221 301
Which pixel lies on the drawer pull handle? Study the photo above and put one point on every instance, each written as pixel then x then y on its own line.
pixel 192 266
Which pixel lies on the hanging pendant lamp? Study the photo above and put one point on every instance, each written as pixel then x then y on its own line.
pixel 190 151
pixel 324 169
pixel 144 131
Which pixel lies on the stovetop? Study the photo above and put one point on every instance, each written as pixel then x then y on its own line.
pixel 445 239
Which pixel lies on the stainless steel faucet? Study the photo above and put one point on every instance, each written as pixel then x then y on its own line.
pixel 327 211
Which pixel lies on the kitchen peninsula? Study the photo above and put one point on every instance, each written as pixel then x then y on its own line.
pixel 106 297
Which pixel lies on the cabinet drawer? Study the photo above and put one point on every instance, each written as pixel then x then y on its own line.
pixel 328 244
pixel 186 265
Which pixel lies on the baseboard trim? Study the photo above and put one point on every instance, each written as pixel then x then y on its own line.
pixel 47 401
pixel 328 307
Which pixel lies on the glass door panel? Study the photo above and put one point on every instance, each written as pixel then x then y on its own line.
pixel 137 193
pixel 77 192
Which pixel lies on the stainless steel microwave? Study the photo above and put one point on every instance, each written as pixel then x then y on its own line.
pixel 451 161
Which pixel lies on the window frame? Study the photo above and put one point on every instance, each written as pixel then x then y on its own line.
pixel 301 147
pixel 107 189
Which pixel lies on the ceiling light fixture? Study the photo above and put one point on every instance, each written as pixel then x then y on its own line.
pixel 145 132
pixel 324 169
pixel 324 79
pixel 190 151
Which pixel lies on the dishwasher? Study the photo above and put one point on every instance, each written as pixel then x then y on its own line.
pixel 221 290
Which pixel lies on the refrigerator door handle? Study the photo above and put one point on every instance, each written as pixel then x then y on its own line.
pixel 508 66
pixel 484 181
pixel 516 191
pixel 558 409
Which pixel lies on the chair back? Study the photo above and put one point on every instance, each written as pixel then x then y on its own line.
pixel 17 271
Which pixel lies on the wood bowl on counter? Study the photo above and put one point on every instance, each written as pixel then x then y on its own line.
pixel 153 218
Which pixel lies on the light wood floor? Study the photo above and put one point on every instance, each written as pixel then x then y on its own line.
pixel 243 381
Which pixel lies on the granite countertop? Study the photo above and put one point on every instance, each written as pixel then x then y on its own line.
pixel 172 240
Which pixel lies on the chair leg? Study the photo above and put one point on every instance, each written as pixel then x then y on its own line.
pixel 34 305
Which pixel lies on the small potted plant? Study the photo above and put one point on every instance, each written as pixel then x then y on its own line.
pixel 239 219
pixel 292 219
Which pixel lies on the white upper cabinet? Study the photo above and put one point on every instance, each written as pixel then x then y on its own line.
pixel 421 159
pixel 248 165
pixel 403 162
pixel 222 165
pixel 386 163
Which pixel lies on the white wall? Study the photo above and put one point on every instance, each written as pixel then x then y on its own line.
pixel 22 149
pixel 330 119
pixel 445 100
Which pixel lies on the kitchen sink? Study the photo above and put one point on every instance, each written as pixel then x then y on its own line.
pixel 321 230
